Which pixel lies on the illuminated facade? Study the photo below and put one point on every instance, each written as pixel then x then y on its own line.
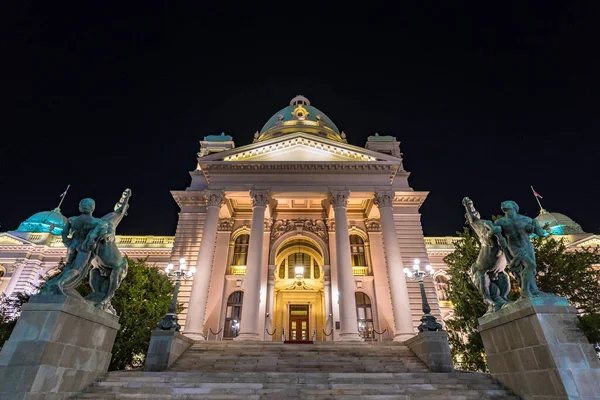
pixel 297 232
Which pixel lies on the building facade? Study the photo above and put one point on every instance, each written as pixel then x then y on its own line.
pixel 297 235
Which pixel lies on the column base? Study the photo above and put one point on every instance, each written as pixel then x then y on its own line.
pixel 198 336
pixel 349 337
pixel 402 337
pixel 248 336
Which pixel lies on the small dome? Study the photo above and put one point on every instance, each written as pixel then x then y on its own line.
pixel 558 224
pixel 300 115
pixel 46 221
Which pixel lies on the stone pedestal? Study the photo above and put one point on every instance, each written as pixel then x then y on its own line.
pixel 164 349
pixel 59 346
pixel 433 348
pixel 534 347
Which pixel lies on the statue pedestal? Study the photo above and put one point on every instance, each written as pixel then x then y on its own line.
pixel 433 349
pixel 59 346
pixel 533 346
pixel 164 349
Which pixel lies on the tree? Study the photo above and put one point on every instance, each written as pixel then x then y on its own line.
pixel 565 273
pixel 140 302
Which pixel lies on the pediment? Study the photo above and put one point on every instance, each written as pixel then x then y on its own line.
pixel 589 241
pixel 11 240
pixel 299 147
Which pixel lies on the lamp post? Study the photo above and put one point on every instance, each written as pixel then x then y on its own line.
pixel 169 320
pixel 428 321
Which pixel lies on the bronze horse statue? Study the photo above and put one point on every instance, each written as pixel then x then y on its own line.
pixel 109 267
pixel 488 271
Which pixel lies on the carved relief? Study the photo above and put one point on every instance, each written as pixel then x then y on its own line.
pixel 214 198
pixel 339 198
pixel 268 224
pixel 226 224
pixel 330 225
pixel 281 227
pixel 316 226
pixel 373 225
pixel 260 197
pixel 384 198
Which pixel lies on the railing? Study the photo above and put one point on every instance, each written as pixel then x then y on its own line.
pixel 238 270
pixel 441 241
pixel 360 271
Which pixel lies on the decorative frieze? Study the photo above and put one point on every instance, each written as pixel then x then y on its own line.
pixel 283 226
pixel 260 197
pixel 373 225
pixel 226 224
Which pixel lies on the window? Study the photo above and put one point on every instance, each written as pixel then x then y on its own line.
pixel 365 315
pixel 316 270
pixel 2 272
pixel 357 249
pixel 282 270
pixel 240 250
pixel 233 315
pixel 297 260
pixel 441 287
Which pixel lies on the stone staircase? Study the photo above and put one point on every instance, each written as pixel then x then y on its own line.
pixel 270 370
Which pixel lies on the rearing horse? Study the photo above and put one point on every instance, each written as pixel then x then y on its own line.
pixel 109 267
pixel 487 272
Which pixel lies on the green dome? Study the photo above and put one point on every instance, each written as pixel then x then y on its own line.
pixel 46 221
pixel 300 115
pixel 558 224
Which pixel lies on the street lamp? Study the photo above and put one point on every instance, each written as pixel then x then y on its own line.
pixel 428 322
pixel 169 320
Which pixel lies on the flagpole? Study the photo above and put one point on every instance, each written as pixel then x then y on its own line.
pixel 537 199
pixel 62 197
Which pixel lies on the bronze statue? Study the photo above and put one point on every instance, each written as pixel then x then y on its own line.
pixel 109 267
pixel 521 256
pixel 487 272
pixel 80 237
pixel 91 245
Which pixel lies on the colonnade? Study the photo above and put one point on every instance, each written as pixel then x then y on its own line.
pixel 249 329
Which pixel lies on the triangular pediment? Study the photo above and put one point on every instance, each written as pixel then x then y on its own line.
pixel 299 147
pixel 588 241
pixel 11 240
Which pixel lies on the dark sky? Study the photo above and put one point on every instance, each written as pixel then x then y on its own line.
pixel 486 99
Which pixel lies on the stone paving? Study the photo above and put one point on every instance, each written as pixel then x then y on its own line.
pixel 259 370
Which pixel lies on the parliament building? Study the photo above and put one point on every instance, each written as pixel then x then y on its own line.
pixel 298 233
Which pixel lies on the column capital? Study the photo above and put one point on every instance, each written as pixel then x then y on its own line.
pixel 260 197
pixel 339 198
pixel 226 224
pixel 384 198
pixel 214 197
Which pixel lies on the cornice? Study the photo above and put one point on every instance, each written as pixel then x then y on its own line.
pixel 187 198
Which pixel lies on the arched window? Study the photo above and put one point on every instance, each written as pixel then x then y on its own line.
pixel 233 315
pixel 2 272
pixel 282 270
pixel 299 260
pixel 357 249
pixel 316 270
pixel 240 250
pixel 441 287
pixel 365 315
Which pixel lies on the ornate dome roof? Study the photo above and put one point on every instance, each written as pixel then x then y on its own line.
pixel 45 221
pixel 558 224
pixel 300 116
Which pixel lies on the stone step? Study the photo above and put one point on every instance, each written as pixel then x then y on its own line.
pixel 259 370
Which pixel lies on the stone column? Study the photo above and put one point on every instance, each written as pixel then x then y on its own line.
pixel 194 323
pixel 403 326
pixel 348 317
pixel 270 302
pixel 250 309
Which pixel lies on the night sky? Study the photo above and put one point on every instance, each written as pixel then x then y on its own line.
pixel 485 101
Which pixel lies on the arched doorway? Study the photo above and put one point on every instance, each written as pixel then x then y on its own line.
pixel 298 298
pixel 233 315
